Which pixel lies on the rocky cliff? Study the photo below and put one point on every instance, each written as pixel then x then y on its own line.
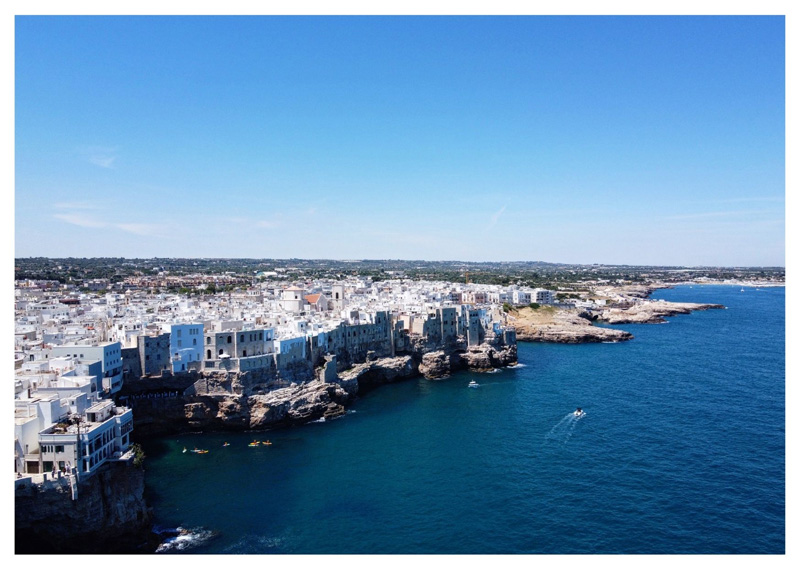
pixel 649 311
pixel 483 357
pixel 555 325
pixel 250 400
pixel 109 515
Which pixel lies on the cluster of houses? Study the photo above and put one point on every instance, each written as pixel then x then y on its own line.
pixel 74 350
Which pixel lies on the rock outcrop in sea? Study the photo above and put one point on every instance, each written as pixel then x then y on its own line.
pixel 555 325
pixel 651 311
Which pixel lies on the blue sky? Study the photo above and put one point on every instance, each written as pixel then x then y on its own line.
pixel 629 140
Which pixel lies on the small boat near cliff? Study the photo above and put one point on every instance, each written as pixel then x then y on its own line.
pixel 579 412
pixel 473 385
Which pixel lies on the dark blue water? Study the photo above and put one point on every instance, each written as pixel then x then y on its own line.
pixel 681 450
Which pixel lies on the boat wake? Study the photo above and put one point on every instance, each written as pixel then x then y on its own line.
pixel 179 539
pixel 563 431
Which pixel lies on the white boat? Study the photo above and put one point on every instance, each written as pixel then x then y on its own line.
pixel 473 385
pixel 578 413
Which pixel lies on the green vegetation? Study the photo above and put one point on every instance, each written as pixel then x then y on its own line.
pixel 534 306
pixel 138 455
pixel 563 278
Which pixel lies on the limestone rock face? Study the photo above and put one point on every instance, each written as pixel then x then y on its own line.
pixel 486 357
pixel 651 311
pixel 555 325
pixel 242 400
pixel 298 404
pixel 435 365
pixel 483 357
pixel 573 334
pixel 386 370
pixel 109 516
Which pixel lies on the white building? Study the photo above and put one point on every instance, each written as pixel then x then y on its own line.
pixel 109 354
pixel 542 296
pixel 185 344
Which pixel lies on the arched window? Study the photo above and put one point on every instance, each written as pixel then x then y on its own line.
pixel 229 339
pixel 221 351
pixel 208 354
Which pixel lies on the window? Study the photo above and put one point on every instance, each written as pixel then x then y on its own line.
pixel 229 339
pixel 194 341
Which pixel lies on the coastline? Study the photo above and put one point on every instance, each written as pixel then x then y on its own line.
pixel 607 304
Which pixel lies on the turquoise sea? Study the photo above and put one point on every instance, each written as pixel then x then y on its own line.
pixel 681 451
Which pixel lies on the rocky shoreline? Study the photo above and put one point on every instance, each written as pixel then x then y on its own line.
pixel 622 305
pixel 109 516
pixel 255 400
pixel 652 311
pixel 554 325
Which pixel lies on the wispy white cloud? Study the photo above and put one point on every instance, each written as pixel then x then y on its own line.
pixel 101 156
pixel 771 199
pixel 81 220
pixel 90 222
pixel 76 205
pixel 394 237
pixel 496 217
pixel 103 161
pixel 251 222
pixel 141 229
pixel 719 214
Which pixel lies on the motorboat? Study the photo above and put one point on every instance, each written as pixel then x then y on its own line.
pixel 473 385
pixel 579 412
pixel 225 445
pixel 196 451
pixel 184 450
